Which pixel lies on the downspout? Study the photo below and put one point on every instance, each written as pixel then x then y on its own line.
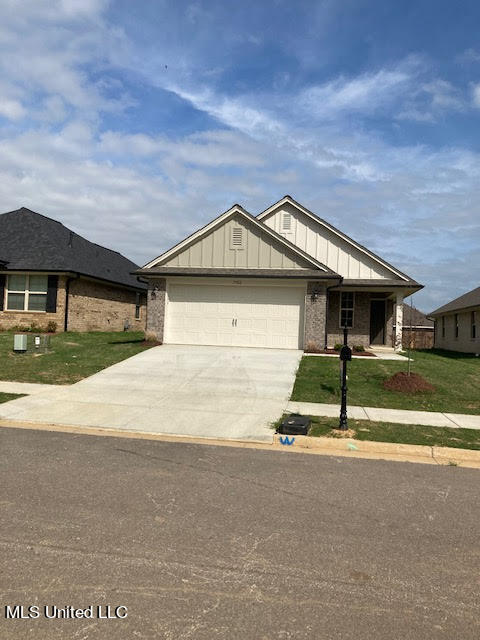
pixel 67 291
pixel 327 289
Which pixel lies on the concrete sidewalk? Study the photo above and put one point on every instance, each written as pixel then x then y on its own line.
pixel 28 388
pixel 400 416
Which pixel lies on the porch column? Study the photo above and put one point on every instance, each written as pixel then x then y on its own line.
pixel 156 307
pixel 315 316
pixel 398 322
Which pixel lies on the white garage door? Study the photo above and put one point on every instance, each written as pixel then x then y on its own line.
pixel 243 316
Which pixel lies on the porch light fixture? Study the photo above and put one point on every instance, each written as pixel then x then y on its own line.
pixel 314 294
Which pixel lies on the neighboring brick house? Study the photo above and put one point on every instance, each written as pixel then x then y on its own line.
pixel 457 323
pixel 49 274
pixel 284 278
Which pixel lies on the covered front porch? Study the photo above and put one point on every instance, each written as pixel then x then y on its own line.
pixel 373 315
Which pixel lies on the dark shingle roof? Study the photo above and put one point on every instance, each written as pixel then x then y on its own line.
pixel 413 317
pixel 239 272
pixel 470 299
pixel 30 241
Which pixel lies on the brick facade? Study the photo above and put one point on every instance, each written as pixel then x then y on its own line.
pixel 464 342
pixel 360 333
pixel 315 314
pixel 156 307
pixel 93 306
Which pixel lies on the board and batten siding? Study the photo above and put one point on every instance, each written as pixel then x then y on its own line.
pixel 258 250
pixel 326 246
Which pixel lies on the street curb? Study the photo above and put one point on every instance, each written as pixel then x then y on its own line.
pixel 384 450
pixel 344 447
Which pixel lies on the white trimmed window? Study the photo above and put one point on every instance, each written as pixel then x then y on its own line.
pixel 26 292
pixel 346 309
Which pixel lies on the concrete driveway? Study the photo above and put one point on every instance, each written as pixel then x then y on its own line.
pixel 184 390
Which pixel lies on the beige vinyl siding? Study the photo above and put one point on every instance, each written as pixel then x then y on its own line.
pixel 326 246
pixel 258 250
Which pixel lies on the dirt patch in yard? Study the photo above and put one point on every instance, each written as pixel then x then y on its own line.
pixel 405 383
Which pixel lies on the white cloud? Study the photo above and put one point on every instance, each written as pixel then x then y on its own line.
pixel 11 109
pixel 367 93
pixel 139 193
pixel 476 94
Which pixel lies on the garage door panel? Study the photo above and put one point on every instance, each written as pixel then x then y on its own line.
pixel 235 316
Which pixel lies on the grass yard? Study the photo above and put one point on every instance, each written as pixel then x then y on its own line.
pixel 399 433
pixel 456 378
pixel 5 397
pixel 72 356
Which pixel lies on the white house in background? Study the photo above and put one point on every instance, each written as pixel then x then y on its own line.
pixel 283 279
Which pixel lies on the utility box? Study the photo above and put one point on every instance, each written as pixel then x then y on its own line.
pixel 20 343
pixel 295 425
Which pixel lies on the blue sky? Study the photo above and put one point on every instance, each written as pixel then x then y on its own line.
pixel 136 122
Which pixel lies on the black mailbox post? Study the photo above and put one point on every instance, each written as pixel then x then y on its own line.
pixel 345 356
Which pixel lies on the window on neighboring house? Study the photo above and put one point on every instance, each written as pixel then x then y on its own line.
pixel 456 325
pixel 443 326
pixel 473 325
pixel 137 306
pixel 26 293
pixel 346 309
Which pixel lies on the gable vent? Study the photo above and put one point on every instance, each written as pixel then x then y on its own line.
pixel 286 221
pixel 237 237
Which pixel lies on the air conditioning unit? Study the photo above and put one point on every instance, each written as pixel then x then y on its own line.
pixel 20 343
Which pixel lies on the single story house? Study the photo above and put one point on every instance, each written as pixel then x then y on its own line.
pixel 418 330
pixel 51 276
pixel 457 323
pixel 284 279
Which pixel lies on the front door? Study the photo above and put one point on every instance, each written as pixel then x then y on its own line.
pixel 377 322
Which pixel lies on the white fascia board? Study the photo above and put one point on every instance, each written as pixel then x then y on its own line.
pixel 235 210
pixel 331 228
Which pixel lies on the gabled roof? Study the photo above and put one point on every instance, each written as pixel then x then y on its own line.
pixel 30 241
pixel 469 299
pixel 288 199
pixel 413 317
pixel 221 219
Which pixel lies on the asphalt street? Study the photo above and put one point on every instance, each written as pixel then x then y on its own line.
pixel 208 542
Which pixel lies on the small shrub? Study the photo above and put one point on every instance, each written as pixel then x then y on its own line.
pixel 20 328
pixel 312 347
pixel 51 326
pixel 338 346
pixel 358 348
pixel 35 328
pixel 150 336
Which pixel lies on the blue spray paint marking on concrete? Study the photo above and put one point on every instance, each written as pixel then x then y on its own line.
pixel 287 440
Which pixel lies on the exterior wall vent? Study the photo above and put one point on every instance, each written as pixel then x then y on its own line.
pixel 286 221
pixel 237 238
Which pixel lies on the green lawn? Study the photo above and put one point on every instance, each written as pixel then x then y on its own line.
pixel 399 433
pixel 72 356
pixel 5 397
pixel 456 378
